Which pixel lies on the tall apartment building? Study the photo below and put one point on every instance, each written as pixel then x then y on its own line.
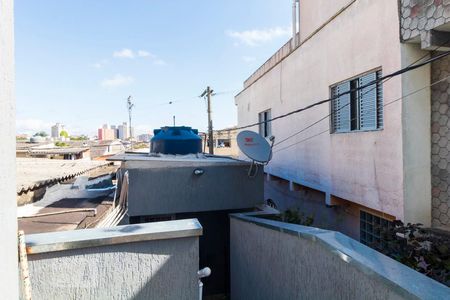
pixel 106 133
pixel 123 131
pixel 379 153
pixel 56 130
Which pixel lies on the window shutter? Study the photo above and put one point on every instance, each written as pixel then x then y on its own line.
pixel 380 104
pixel 341 108
pixel 261 125
pixel 368 102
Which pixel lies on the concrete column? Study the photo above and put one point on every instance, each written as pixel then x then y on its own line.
pixel 8 208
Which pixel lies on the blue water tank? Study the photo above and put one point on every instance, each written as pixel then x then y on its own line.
pixel 176 140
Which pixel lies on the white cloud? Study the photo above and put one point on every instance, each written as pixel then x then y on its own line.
pixel 248 59
pixel 258 37
pixel 143 53
pixel 159 62
pixel 124 53
pixel 100 64
pixel 129 53
pixel 31 126
pixel 117 81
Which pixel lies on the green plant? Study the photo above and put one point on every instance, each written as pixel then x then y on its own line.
pixel 61 144
pixel 64 133
pixel 79 138
pixel 422 250
pixel 293 216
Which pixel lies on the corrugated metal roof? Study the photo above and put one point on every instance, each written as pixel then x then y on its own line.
pixel 33 173
pixel 60 151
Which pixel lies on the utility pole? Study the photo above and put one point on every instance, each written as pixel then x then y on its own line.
pixel 130 108
pixel 207 94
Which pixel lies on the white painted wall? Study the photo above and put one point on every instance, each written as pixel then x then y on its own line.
pixel 8 220
pixel 363 167
pixel 416 112
pixel 314 13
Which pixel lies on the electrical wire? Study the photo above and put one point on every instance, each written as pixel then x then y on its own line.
pixel 385 105
pixel 397 73
pixel 375 87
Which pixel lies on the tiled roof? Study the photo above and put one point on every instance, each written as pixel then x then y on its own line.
pixel 35 173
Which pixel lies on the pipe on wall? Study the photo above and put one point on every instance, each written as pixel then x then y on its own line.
pixel 294 23
pixel 298 21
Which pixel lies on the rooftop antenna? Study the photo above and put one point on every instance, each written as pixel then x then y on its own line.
pixel 130 108
pixel 255 147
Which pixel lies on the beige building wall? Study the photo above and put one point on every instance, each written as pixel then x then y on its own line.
pixel 8 214
pixel 229 146
pixel 364 167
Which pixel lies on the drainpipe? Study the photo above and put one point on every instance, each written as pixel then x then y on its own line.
pixel 205 272
pixel 294 23
pixel 298 12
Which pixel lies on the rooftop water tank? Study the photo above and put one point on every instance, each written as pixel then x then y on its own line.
pixel 176 140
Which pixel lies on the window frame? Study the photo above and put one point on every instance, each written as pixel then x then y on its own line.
pixel 265 129
pixel 380 121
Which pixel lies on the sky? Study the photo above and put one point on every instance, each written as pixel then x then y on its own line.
pixel 77 61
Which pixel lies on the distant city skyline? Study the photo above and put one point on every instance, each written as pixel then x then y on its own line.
pixel 78 61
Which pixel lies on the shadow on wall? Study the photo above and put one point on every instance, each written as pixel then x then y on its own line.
pixel 312 203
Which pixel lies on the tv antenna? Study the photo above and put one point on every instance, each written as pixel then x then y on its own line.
pixel 130 106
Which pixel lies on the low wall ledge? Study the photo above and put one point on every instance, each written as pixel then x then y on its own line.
pixel 399 277
pixel 87 238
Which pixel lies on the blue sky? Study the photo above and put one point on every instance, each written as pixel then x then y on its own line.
pixel 77 61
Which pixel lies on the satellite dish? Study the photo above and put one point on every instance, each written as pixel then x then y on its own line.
pixel 254 146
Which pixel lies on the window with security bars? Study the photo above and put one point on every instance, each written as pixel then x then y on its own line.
pixel 265 127
pixel 357 104
pixel 372 230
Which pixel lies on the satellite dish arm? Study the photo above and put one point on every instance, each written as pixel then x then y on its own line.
pixel 272 140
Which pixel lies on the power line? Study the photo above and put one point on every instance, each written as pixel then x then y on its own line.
pixel 171 102
pixel 397 73
pixel 369 91
pixel 387 104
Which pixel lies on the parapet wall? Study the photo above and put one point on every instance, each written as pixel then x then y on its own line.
pixel 275 260
pixel 147 261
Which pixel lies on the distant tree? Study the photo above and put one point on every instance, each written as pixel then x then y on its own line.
pixel 79 138
pixel 61 144
pixel 64 133
pixel 41 133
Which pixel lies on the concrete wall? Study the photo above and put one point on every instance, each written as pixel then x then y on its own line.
pixel 416 115
pixel 8 221
pixel 274 260
pixel 170 189
pixel 363 167
pixel 314 13
pixel 440 146
pixel 151 261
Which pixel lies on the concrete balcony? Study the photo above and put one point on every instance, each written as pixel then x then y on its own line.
pixel 147 261
pixel 426 22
